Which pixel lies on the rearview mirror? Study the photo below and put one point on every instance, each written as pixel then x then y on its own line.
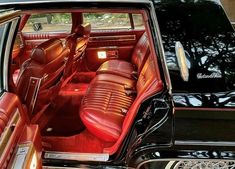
pixel 37 27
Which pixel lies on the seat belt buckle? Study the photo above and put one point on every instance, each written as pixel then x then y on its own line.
pixel 131 92
pixel 124 111
pixel 134 75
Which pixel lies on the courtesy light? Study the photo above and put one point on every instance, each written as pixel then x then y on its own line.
pixel 102 54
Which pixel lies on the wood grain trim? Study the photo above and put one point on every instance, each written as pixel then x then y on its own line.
pixel 7 133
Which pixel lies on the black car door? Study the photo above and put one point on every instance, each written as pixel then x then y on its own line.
pixel 205 104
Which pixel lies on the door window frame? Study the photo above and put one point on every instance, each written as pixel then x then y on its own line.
pixel 11 21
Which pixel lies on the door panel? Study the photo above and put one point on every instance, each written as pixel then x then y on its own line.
pixel 17 135
pixel 12 122
pixel 117 44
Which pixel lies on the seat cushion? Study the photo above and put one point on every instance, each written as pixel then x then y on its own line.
pixel 103 109
pixel 116 67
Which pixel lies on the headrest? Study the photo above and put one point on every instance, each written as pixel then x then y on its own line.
pixel 47 51
pixel 83 29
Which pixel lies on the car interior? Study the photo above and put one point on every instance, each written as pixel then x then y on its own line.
pixel 82 75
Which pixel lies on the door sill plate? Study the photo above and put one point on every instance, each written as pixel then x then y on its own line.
pixel 76 156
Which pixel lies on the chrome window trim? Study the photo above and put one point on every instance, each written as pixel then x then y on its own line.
pixel 8 51
pixel 159 43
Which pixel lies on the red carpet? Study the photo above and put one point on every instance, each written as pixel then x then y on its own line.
pixel 66 120
pixel 83 143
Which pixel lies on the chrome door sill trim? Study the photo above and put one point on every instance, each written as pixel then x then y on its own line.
pixel 76 156
pixel 205 143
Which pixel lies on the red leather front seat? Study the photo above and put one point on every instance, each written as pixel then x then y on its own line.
pixel 77 43
pixel 39 75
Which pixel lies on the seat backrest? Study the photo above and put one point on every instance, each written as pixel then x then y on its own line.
pixel 41 72
pixel 147 75
pixel 77 43
pixel 140 52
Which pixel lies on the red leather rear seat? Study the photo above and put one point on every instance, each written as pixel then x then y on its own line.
pixel 108 102
pixel 127 69
pixel 103 109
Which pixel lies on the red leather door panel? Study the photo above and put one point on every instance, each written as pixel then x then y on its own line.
pixel 13 122
pixel 118 44
pixel 34 39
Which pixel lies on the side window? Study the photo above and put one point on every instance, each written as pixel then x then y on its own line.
pixel 229 8
pixel 53 22
pixel 138 21
pixel 110 21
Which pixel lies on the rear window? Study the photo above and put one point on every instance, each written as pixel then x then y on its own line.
pixel 53 22
pixel 110 21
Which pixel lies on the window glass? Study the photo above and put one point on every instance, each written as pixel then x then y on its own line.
pixel 229 7
pixel 138 21
pixel 54 22
pixel 107 20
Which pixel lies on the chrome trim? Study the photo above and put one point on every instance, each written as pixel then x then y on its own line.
pixel 113 38
pixel 178 159
pixel 161 51
pixel 23 156
pixel 233 23
pixel 7 52
pixel 76 156
pixel 202 164
pixel 206 143
pixel 35 92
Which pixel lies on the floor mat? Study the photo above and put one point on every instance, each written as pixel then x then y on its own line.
pixel 84 142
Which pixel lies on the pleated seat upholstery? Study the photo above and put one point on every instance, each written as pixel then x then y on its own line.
pixel 128 69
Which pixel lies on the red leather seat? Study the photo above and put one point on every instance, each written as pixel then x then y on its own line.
pixel 39 76
pixel 103 109
pixel 77 43
pixel 127 69
pixel 108 102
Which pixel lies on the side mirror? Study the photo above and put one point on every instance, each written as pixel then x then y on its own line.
pixel 37 27
pixel 182 62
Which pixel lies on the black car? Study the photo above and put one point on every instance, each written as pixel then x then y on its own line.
pixel 116 84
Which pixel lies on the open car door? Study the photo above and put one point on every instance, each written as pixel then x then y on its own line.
pixel 19 141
